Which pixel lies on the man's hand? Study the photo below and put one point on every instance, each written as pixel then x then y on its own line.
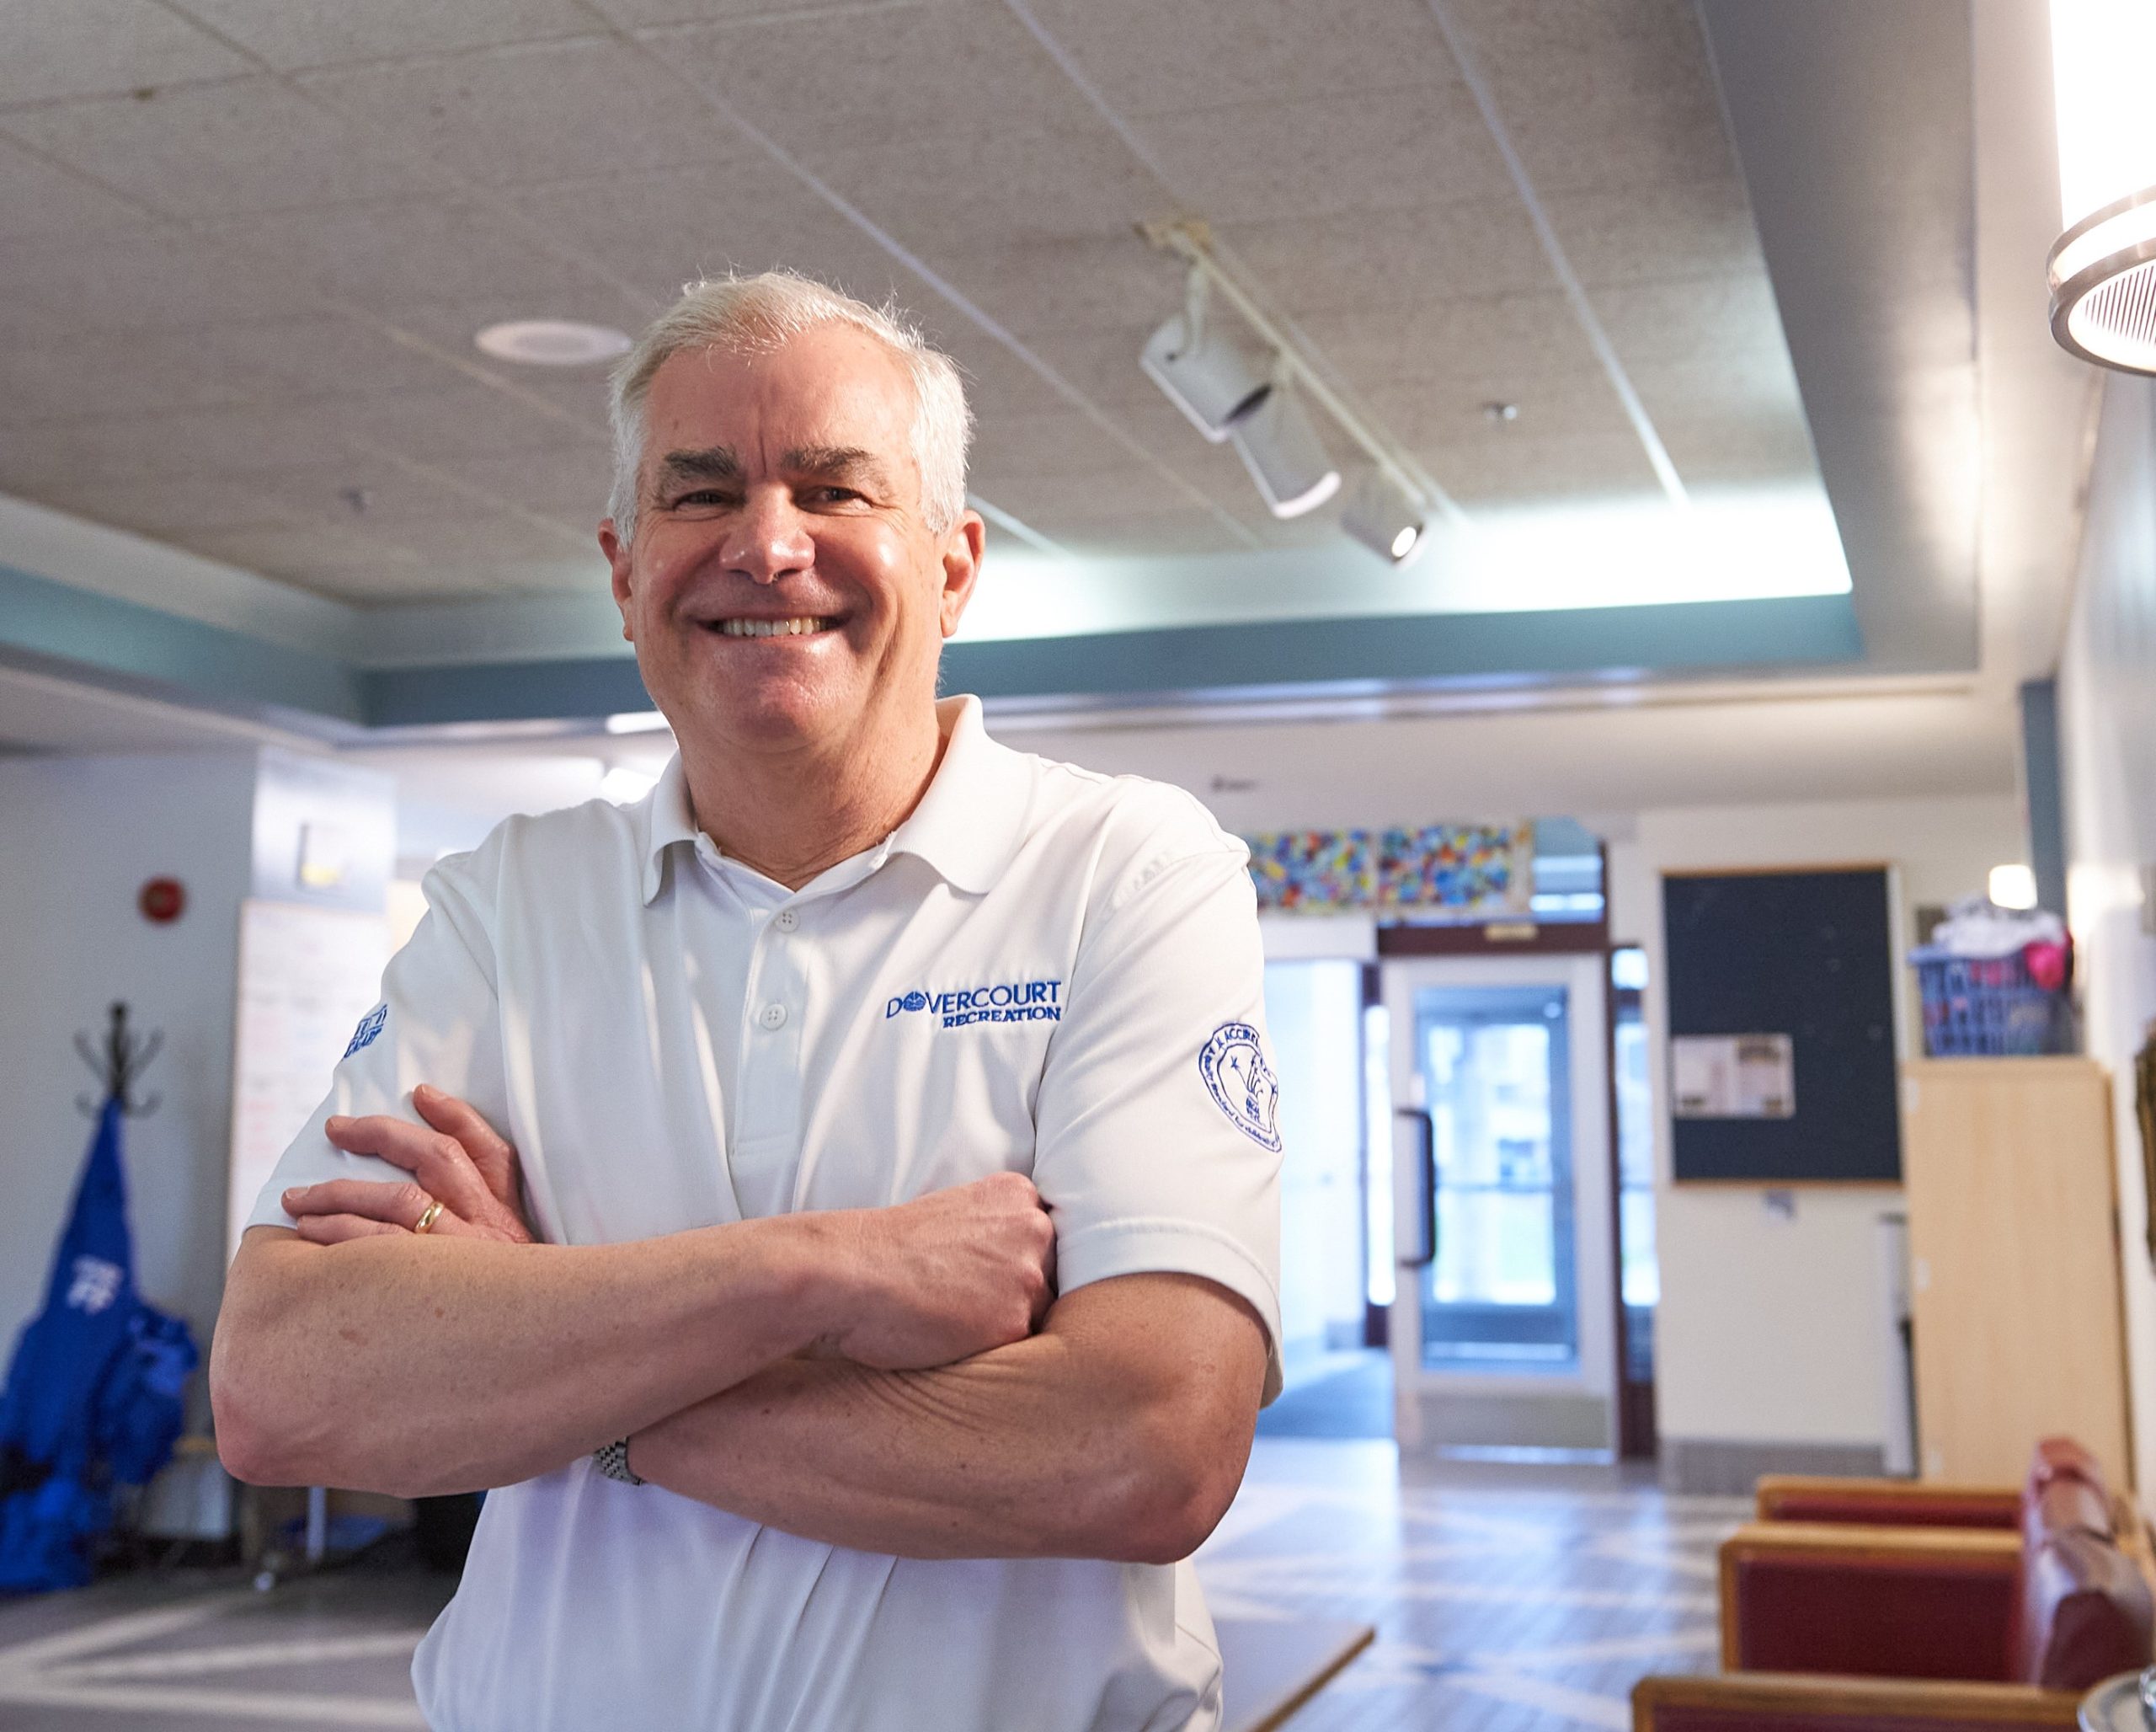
pixel 947 1275
pixel 461 1162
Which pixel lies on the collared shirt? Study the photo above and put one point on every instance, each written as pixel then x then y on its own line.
pixel 1042 970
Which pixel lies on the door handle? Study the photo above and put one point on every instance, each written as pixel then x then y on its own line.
pixel 1415 1188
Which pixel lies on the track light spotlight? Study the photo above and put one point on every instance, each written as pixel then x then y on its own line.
pixel 1285 456
pixel 1386 518
pixel 1205 373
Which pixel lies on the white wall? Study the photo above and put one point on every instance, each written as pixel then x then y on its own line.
pixel 2107 717
pixel 1314 1016
pixel 1769 1330
pixel 78 836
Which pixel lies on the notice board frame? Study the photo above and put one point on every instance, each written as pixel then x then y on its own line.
pixel 1808 951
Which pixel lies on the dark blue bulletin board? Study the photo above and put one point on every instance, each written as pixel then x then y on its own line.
pixel 1809 955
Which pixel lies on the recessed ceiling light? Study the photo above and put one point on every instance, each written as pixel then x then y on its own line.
pixel 552 342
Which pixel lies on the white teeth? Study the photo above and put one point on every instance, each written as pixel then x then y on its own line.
pixel 770 627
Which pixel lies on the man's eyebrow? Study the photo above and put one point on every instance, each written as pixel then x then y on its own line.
pixel 715 462
pixel 837 462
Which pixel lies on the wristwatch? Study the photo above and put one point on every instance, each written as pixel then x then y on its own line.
pixel 612 1459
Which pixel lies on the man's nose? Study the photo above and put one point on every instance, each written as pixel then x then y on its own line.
pixel 770 539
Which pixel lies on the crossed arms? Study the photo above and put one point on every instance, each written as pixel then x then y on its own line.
pixel 893 1380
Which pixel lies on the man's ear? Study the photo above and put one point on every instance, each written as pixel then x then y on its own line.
pixel 964 550
pixel 617 560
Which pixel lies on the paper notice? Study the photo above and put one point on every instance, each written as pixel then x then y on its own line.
pixel 1733 1076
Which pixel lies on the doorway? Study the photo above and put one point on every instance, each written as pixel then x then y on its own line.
pixel 1502 1321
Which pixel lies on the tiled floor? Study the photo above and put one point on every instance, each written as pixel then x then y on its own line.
pixel 1526 1599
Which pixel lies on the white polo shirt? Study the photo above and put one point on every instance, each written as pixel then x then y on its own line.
pixel 1042 970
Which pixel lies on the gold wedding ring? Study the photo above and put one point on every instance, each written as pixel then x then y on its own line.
pixel 425 1222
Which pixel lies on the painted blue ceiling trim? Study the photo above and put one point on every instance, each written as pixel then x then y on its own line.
pixel 1413 649
pixel 1425 650
pixel 57 625
pixel 503 691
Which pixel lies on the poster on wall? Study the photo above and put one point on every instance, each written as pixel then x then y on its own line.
pixel 1441 872
pixel 1733 1076
pixel 306 976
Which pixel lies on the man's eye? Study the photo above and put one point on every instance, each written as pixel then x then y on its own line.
pixel 833 494
pixel 701 496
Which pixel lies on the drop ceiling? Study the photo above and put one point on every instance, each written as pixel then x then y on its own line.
pixel 245 246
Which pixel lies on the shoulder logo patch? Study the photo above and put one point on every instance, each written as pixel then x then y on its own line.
pixel 1233 1064
pixel 370 1026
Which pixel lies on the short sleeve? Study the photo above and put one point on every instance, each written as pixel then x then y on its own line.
pixel 439 1023
pixel 1157 1147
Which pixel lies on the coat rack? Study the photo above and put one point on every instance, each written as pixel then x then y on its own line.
pixel 119 1066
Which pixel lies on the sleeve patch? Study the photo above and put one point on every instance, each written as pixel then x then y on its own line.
pixel 1242 1084
pixel 370 1026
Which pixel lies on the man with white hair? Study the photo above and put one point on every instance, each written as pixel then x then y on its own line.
pixel 832 1204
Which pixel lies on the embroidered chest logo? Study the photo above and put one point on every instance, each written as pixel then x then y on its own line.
pixel 370 1026
pixel 1233 1064
pixel 1014 1002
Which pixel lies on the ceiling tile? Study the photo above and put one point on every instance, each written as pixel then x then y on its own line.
pixel 1054 501
pixel 570 485
pixel 1103 364
pixel 955 193
pixel 1356 264
pixel 384 254
pixel 274 550
pixel 136 278
pixel 293 34
pixel 1731 449
pixel 1597 96
pixel 87 376
pixel 1148 58
pixel 1671 323
pixel 533 111
pixel 167 508
pixel 1538 469
pixel 210 150
pixel 1159 535
pixel 1388 151
pixel 1575 403
pixel 661 231
pixel 854 14
pixel 1673 230
pixel 239 440
pixel 362 492
pixel 1754 382
pixel 37 200
pixel 480 536
pixel 1067 442
pixel 463 419
pixel 314 355
pixel 97 47
pixel 1496 339
pixel 1040 286
pixel 957 68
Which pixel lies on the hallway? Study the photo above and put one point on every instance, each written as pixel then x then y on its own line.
pixel 1526 1599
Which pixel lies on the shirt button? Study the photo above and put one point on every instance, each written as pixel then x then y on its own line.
pixel 773 1017
pixel 786 920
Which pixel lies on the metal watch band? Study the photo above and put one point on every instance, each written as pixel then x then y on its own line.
pixel 612 1459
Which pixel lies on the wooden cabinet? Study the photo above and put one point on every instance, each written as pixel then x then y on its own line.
pixel 2013 1264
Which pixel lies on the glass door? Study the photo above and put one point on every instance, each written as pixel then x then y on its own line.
pixel 1500 1291
pixel 1503 1321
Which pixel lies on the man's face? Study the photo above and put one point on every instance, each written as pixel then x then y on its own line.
pixel 783 586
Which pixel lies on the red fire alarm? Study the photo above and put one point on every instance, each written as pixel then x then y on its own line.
pixel 162 900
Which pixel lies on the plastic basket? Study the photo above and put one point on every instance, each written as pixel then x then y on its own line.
pixel 1978 1007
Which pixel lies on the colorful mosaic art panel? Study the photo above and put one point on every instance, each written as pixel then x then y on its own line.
pixel 1442 871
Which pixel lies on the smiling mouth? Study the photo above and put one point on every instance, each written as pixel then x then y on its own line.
pixel 800 628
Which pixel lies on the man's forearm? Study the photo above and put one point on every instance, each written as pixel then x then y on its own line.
pixel 1078 1442
pixel 418 1365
